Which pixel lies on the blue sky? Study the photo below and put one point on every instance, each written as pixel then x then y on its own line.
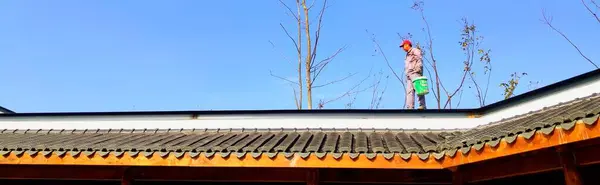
pixel 110 55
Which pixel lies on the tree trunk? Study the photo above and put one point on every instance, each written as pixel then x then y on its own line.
pixel 308 65
pixel 299 101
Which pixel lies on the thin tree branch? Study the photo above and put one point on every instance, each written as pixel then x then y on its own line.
pixel 487 86
pixel 594 2
pixel 460 97
pixel 470 55
pixel 312 4
pixel 477 89
pixel 380 98
pixel 282 78
pixel 289 36
pixel 441 84
pixel 296 99
pixel 281 53
pixel 317 68
pixel 376 97
pixel 353 96
pixel 462 82
pixel 376 83
pixel 387 61
pixel 289 9
pixel 335 81
pixel 347 93
pixel 548 21
pixel 590 10
pixel 435 94
pixel 374 40
pixel 350 92
pixel 318 33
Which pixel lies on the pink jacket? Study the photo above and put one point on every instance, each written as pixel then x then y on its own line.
pixel 413 62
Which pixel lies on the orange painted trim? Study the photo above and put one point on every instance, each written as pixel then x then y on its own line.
pixel 473 115
pixel 539 141
pixel 217 161
pixel 558 137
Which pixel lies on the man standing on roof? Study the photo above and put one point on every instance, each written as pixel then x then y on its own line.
pixel 413 68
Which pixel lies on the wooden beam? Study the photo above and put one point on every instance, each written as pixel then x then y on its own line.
pixel 385 176
pixel 222 174
pixel 127 178
pixel 225 174
pixel 312 177
pixel 457 176
pixel 62 172
pixel 587 155
pixel 152 173
pixel 569 168
pixel 542 161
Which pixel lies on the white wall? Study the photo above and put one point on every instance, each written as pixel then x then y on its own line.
pixel 586 88
pixel 260 122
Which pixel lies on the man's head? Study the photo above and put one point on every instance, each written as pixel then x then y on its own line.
pixel 406 45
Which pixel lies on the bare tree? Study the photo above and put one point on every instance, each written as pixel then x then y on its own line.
pixel 307 64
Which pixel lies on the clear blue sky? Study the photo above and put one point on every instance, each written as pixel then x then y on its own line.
pixel 110 55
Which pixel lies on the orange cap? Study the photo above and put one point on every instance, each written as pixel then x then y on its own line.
pixel 405 42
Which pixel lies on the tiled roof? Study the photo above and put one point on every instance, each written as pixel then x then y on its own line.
pixel 225 142
pixel 254 143
pixel 563 115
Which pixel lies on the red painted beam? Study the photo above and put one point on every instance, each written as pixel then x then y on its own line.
pixel 506 167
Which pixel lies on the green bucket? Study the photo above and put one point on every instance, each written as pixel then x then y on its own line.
pixel 421 87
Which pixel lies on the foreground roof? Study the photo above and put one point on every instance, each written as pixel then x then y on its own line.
pixel 563 116
pixel 224 142
pixel 388 144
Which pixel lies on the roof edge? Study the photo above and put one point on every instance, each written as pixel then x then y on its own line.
pixel 6 111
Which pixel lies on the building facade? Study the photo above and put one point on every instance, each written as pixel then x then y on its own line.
pixel 547 136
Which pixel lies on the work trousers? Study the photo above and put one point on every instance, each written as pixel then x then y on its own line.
pixel 410 93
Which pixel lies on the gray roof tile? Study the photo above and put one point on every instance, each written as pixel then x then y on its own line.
pixel 208 143
pixel 564 115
